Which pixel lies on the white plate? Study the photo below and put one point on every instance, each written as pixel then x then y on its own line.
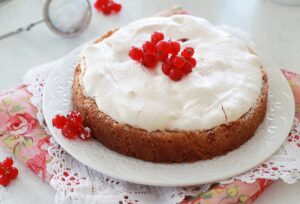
pixel 268 138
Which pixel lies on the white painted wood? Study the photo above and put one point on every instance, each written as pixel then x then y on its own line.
pixel 275 30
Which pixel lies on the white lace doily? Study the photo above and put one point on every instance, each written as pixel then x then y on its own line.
pixel 77 183
pixel 284 165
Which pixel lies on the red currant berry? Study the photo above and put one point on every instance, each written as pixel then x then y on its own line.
pixel 13 172
pixel 149 48
pixel 59 121
pixel 149 61
pixel 116 7
pixel 160 56
pixel 74 118
pixel 187 68
pixel 107 9
pixel 156 37
pixel 8 162
pixel 166 67
pixel 85 133
pixel 188 52
pixel 4 180
pixel 103 2
pixel 175 47
pixel 98 5
pixel 70 131
pixel 192 61
pixel 163 46
pixel 136 53
pixel 175 74
pixel 178 61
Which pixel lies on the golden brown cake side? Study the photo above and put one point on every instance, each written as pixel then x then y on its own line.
pixel 168 146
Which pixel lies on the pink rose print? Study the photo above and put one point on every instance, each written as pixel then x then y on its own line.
pixel 39 161
pixel 38 164
pixel 21 124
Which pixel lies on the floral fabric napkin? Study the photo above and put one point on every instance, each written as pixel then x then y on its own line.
pixel 21 134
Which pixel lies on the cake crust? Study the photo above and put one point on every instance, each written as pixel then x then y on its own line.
pixel 168 146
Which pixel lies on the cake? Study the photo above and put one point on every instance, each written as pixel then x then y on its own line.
pixel 143 114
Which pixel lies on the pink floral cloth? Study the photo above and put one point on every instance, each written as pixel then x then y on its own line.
pixel 20 132
pixel 21 135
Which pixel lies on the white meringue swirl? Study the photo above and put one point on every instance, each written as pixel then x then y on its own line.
pixel 227 78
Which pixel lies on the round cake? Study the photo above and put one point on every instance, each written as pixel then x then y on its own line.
pixel 141 113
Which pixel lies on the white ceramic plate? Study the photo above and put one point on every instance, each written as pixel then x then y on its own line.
pixel 269 137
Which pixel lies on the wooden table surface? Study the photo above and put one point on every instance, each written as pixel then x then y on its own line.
pixel 275 30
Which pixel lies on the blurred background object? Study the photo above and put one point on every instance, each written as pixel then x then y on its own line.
pixel 3 1
pixel 288 2
pixel 66 18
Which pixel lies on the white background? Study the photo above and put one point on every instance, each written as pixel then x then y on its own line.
pixel 275 30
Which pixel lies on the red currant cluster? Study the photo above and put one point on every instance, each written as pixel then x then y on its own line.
pixel 72 126
pixel 174 65
pixel 7 171
pixel 107 6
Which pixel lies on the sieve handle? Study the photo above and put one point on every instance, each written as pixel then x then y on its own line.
pixel 20 30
